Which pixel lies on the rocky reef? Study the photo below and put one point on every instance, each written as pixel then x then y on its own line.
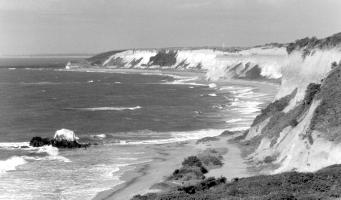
pixel 63 138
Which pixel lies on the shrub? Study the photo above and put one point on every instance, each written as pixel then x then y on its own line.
pixel 206 139
pixel 192 161
pixel 269 159
pixel 211 160
pixel 164 58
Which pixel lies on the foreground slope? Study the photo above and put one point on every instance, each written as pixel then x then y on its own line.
pixel 324 184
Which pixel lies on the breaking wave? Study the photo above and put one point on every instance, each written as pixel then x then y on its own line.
pixel 28 153
pixel 174 136
pixel 106 108
pixel 11 163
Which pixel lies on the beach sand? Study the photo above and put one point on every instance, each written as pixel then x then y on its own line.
pixel 168 159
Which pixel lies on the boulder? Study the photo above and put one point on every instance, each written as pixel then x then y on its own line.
pixel 63 138
pixel 39 141
pixel 65 134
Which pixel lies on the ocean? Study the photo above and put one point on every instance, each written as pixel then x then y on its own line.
pixel 122 113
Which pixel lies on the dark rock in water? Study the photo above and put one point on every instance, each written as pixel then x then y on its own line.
pixel 38 141
pixel 63 138
pixel 68 144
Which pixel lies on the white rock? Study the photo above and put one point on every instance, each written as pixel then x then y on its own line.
pixel 65 134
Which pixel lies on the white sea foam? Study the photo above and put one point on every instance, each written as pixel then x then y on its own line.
pixel 212 85
pixel 177 137
pixel 108 108
pixel 11 163
pixel 234 120
pixel 184 80
pixel 99 136
pixel 14 145
pixel 212 94
pixel 53 153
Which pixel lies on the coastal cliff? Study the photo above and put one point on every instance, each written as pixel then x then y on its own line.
pixel 295 138
pixel 300 129
pixel 256 63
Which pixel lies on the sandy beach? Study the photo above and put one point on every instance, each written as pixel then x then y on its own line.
pixel 168 158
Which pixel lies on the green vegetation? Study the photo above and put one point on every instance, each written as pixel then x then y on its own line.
pixel 274 107
pixel 281 120
pixel 206 139
pixel 212 158
pixel 307 45
pixel 100 58
pixel 192 169
pixel 327 116
pixel 183 64
pixel 117 62
pixel 164 58
pixel 254 73
pixel 323 184
pixel 135 62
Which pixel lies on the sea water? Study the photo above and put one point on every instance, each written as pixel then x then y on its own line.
pixel 122 113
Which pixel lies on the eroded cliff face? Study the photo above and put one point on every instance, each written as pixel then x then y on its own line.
pixel 257 63
pixel 301 129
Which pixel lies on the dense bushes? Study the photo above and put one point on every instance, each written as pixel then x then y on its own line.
pixel 99 59
pixel 192 161
pixel 212 158
pixel 192 169
pixel 206 139
pixel 164 58
pixel 274 107
pixel 204 185
pixel 307 45
pixel 323 184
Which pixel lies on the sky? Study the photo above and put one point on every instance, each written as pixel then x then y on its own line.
pixel 93 26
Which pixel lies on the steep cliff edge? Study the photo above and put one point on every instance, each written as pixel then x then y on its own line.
pixel 255 63
pixel 300 130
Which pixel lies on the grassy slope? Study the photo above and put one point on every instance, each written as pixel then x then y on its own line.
pixel 323 184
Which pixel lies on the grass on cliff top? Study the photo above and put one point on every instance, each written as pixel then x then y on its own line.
pixel 308 44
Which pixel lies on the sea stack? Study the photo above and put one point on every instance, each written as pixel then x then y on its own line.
pixel 63 138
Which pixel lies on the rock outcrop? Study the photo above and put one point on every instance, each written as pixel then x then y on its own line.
pixel 63 138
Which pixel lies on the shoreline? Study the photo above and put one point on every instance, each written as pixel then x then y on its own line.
pixel 144 177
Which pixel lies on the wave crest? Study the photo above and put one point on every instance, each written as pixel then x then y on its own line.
pixel 11 163
pixel 107 108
